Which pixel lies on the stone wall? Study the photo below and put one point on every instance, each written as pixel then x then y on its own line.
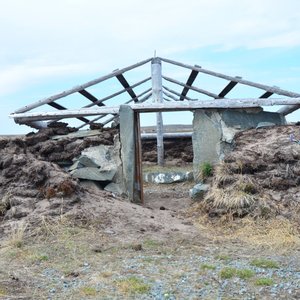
pixel 213 131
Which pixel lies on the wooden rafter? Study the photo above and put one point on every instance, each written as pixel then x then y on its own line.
pixel 91 97
pixel 189 83
pixel 201 91
pixel 126 85
pixel 266 95
pixel 175 93
pixel 228 88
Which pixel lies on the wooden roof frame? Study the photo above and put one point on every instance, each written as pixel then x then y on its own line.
pixel 96 107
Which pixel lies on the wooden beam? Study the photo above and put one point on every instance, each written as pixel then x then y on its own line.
pixel 189 83
pixel 60 107
pixel 117 93
pixel 126 85
pixel 91 97
pixel 175 93
pixel 266 95
pixel 80 87
pixel 170 96
pixel 228 88
pixel 273 89
pixel 103 115
pixel 157 94
pixel 157 107
pixel 168 135
pixel 201 91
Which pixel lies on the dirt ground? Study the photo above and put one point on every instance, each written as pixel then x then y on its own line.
pixel 62 240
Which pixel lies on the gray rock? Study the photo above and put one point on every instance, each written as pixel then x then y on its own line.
pixel 198 191
pixel 94 174
pixel 264 124
pixel 168 177
pixel 76 165
pixel 114 188
pixel 87 162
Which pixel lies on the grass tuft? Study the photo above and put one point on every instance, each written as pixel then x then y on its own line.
pixel 227 273
pixel 88 291
pixel 264 281
pixel 264 263
pixel 132 285
pixel 208 267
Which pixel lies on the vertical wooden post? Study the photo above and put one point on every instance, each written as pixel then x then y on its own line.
pixel 158 97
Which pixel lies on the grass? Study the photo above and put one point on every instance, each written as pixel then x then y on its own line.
pixel 207 267
pixel 229 272
pixel 205 170
pixel 88 291
pixel 132 285
pixel 264 263
pixel 264 281
pixel 222 257
pixel 17 236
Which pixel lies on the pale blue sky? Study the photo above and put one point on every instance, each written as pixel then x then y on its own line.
pixel 49 46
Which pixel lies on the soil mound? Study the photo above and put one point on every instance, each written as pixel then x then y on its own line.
pixel 260 177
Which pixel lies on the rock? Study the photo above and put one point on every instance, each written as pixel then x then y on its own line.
pixel 92 186
pixel 168 177
pixel 87 162
pixel 94 174
pixel 198 191
pixel 76 165
pixel 114 188
pixel 264 124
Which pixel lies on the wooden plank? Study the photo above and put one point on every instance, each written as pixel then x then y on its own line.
pixel 112 118
pixel 60 107
pixel 175 93
pixel 126 85
pixel 169 135
pixel 117 93
pixel 80 87
pixel 189 82
pixel 157 107
pixel 201 91
pixel 228 88
pixel 266 95
pixel 91 97
pixel 273 89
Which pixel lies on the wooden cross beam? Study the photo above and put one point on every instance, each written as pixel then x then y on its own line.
pixel 192 88
pixel 189 83
pixel 175 93
pixel 126 85
pixel 91 97
pixel 266 95
pixel 228 88
pixel 60 107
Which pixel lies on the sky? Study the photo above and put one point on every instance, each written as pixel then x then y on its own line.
pixel 50 46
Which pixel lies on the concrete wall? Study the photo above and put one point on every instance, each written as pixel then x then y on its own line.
pixel 213 131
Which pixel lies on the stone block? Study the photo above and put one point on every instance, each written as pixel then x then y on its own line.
pixel 94 174
pixel 198 191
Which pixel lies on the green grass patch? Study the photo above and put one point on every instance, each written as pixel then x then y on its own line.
pixel 264 281
pixel 132 285
pixel 228 273
pixel 264 263
pixel 207 267
pixel 88 291
pixel 245 273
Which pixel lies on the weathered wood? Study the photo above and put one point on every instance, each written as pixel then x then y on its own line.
pixel 117 93
pixel 266 95
pixel 189 82
pixel 60 107
pixel 158 107
pixel 288 109
pixel 157 95
pixel 170 96
pixel 169 135
pixel 126 85
pixel 228 88
pixel 175 93
pixel 91 97
pixel 79 87
pixel 201 91
pixel 275 90
pixel 112 118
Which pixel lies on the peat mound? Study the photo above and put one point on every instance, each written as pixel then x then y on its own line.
pixel 260 177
